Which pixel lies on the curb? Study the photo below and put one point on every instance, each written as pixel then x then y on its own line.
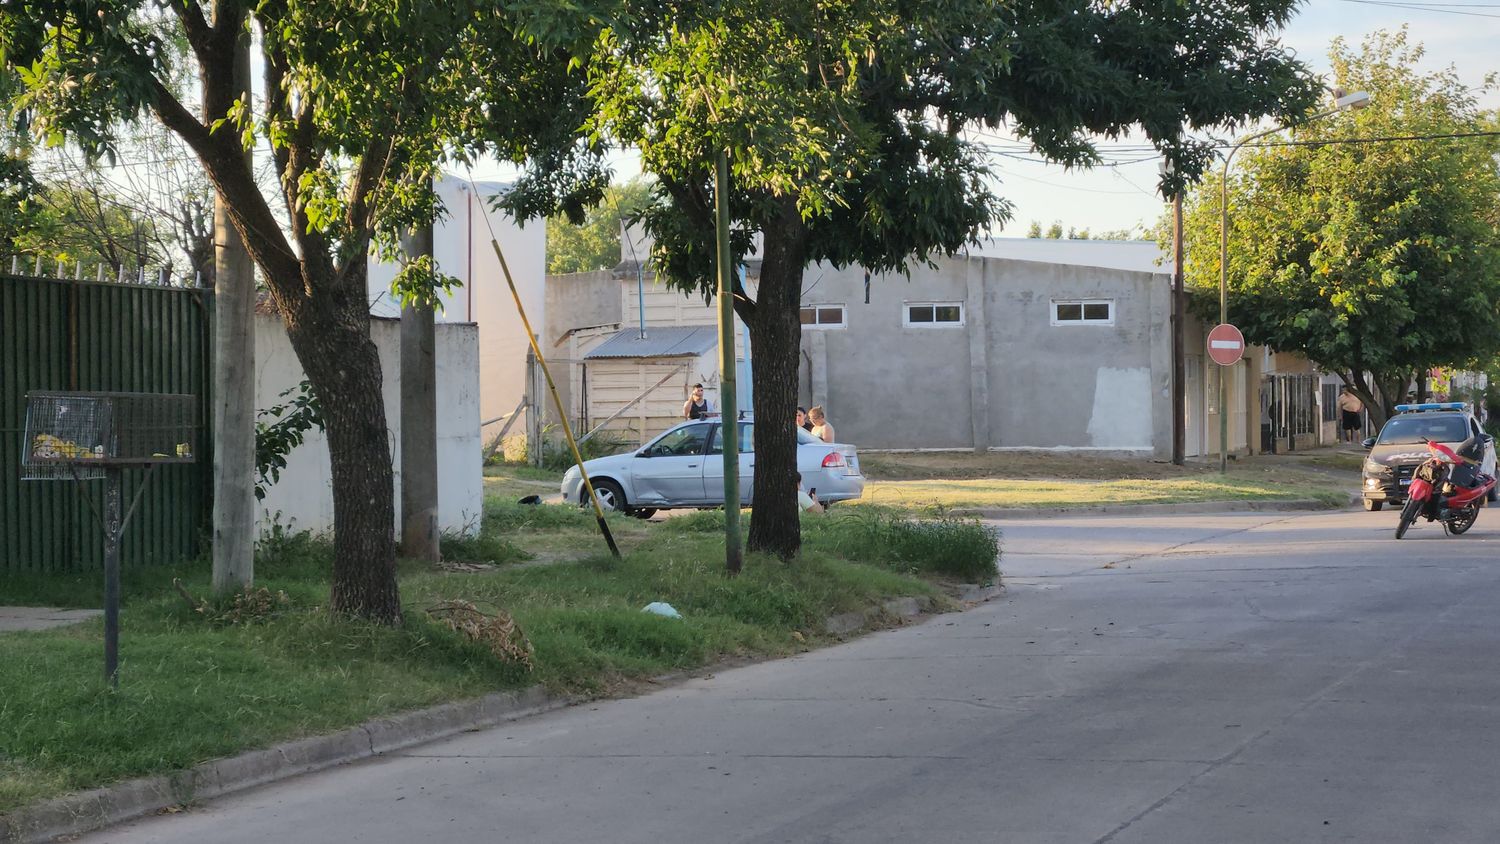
pixel 1150 509
pixel 910 607
pixel 76 814
pixel 67 817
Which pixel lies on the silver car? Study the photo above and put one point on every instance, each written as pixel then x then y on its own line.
pixel 684 468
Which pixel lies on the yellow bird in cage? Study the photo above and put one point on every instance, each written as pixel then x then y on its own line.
pixel 49 447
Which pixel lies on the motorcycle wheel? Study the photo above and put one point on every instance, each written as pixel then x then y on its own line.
pixel 1408 515
pixel 1464 520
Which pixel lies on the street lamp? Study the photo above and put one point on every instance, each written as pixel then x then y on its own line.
pixel 1341 102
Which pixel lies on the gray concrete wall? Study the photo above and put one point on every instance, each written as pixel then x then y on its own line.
pixel 1034 384
pixel 885 385
pixel 1086 386
pixel 579 300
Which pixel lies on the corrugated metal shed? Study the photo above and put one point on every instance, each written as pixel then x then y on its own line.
pixel 660 342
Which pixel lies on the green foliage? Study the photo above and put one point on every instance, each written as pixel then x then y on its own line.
pixel 595 243
pixel 420 284
pixel 1378 257
pixel 558 457
pixel 83 222
pixel 486 547
pixel 947 546
pixel 281 428
pixel 18 207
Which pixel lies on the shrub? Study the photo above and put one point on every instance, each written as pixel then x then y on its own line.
pixel 486 547
pixel 947 545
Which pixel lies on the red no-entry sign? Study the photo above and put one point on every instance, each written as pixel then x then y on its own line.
pixel 1226 345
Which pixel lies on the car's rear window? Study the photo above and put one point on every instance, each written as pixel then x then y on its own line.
pixel 1409 428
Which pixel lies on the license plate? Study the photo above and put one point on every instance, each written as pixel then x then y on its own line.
pixel 1405 481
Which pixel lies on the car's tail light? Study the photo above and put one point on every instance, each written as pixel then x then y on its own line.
pixel 834 460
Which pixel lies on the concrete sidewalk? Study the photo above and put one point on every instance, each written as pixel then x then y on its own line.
pixel 41 618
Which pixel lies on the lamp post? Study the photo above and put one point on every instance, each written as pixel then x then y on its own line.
pixel 1341 102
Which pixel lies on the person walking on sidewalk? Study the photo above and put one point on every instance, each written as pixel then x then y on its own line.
pixel 1349 409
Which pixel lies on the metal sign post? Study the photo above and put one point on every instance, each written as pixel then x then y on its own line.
pixel 1226 345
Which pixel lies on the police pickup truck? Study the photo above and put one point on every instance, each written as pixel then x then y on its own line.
pixel 1402 445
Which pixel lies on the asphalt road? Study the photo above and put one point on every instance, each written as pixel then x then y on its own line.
pixel 1230 678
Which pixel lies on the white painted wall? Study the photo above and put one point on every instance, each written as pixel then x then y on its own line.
pixel 304 495
pixel 461 246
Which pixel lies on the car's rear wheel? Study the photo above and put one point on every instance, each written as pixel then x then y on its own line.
pixel 1493 495
pixel 644 512
pixel 1373 506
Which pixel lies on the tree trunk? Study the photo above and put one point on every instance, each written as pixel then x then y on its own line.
pixel 332 338
pixel 775 341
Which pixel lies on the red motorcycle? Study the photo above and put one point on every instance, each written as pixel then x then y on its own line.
pixel 1446 487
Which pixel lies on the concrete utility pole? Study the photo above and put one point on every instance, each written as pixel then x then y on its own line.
pixel 1179 313
pixel 234 381
pixel 419 472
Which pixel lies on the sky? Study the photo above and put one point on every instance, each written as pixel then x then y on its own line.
pixel 1122 195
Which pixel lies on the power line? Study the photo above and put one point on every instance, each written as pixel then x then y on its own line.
pixel 1374 140
pixel 1431 7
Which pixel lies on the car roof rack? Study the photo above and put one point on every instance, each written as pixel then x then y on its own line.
pixel 1431 405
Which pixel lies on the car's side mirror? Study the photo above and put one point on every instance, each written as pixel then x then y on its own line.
pixel 1486 439
pixel 645 452
pixel 1369 443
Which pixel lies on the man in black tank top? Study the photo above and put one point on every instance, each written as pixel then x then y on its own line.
pixel 696 407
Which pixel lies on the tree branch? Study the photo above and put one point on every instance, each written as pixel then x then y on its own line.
pixel 223 159
pixel 200 35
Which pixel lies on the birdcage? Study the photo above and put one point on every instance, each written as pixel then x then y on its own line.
pixel 77 436
pixel 83 436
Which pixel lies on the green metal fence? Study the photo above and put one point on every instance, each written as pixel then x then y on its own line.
pixel 59 334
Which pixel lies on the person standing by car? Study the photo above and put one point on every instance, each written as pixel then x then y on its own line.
pixel 820 429
pixel 1349 409
pixel 802 421
pixel 696 407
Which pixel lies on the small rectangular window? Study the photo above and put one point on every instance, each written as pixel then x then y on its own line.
pixel 823 316
pixel 1083 312
pixel 934 314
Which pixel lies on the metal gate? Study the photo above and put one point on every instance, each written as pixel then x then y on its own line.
pixel 63 334
pixel 1288 412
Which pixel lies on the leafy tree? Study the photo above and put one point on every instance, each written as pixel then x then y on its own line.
pixel 594 244
pixel 361 103
pixel 1377 257
pixel 844 122
pixel 1055 231
pixel 18 202
pixel 1034 230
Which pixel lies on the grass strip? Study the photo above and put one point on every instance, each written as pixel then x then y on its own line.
pixel 196 686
